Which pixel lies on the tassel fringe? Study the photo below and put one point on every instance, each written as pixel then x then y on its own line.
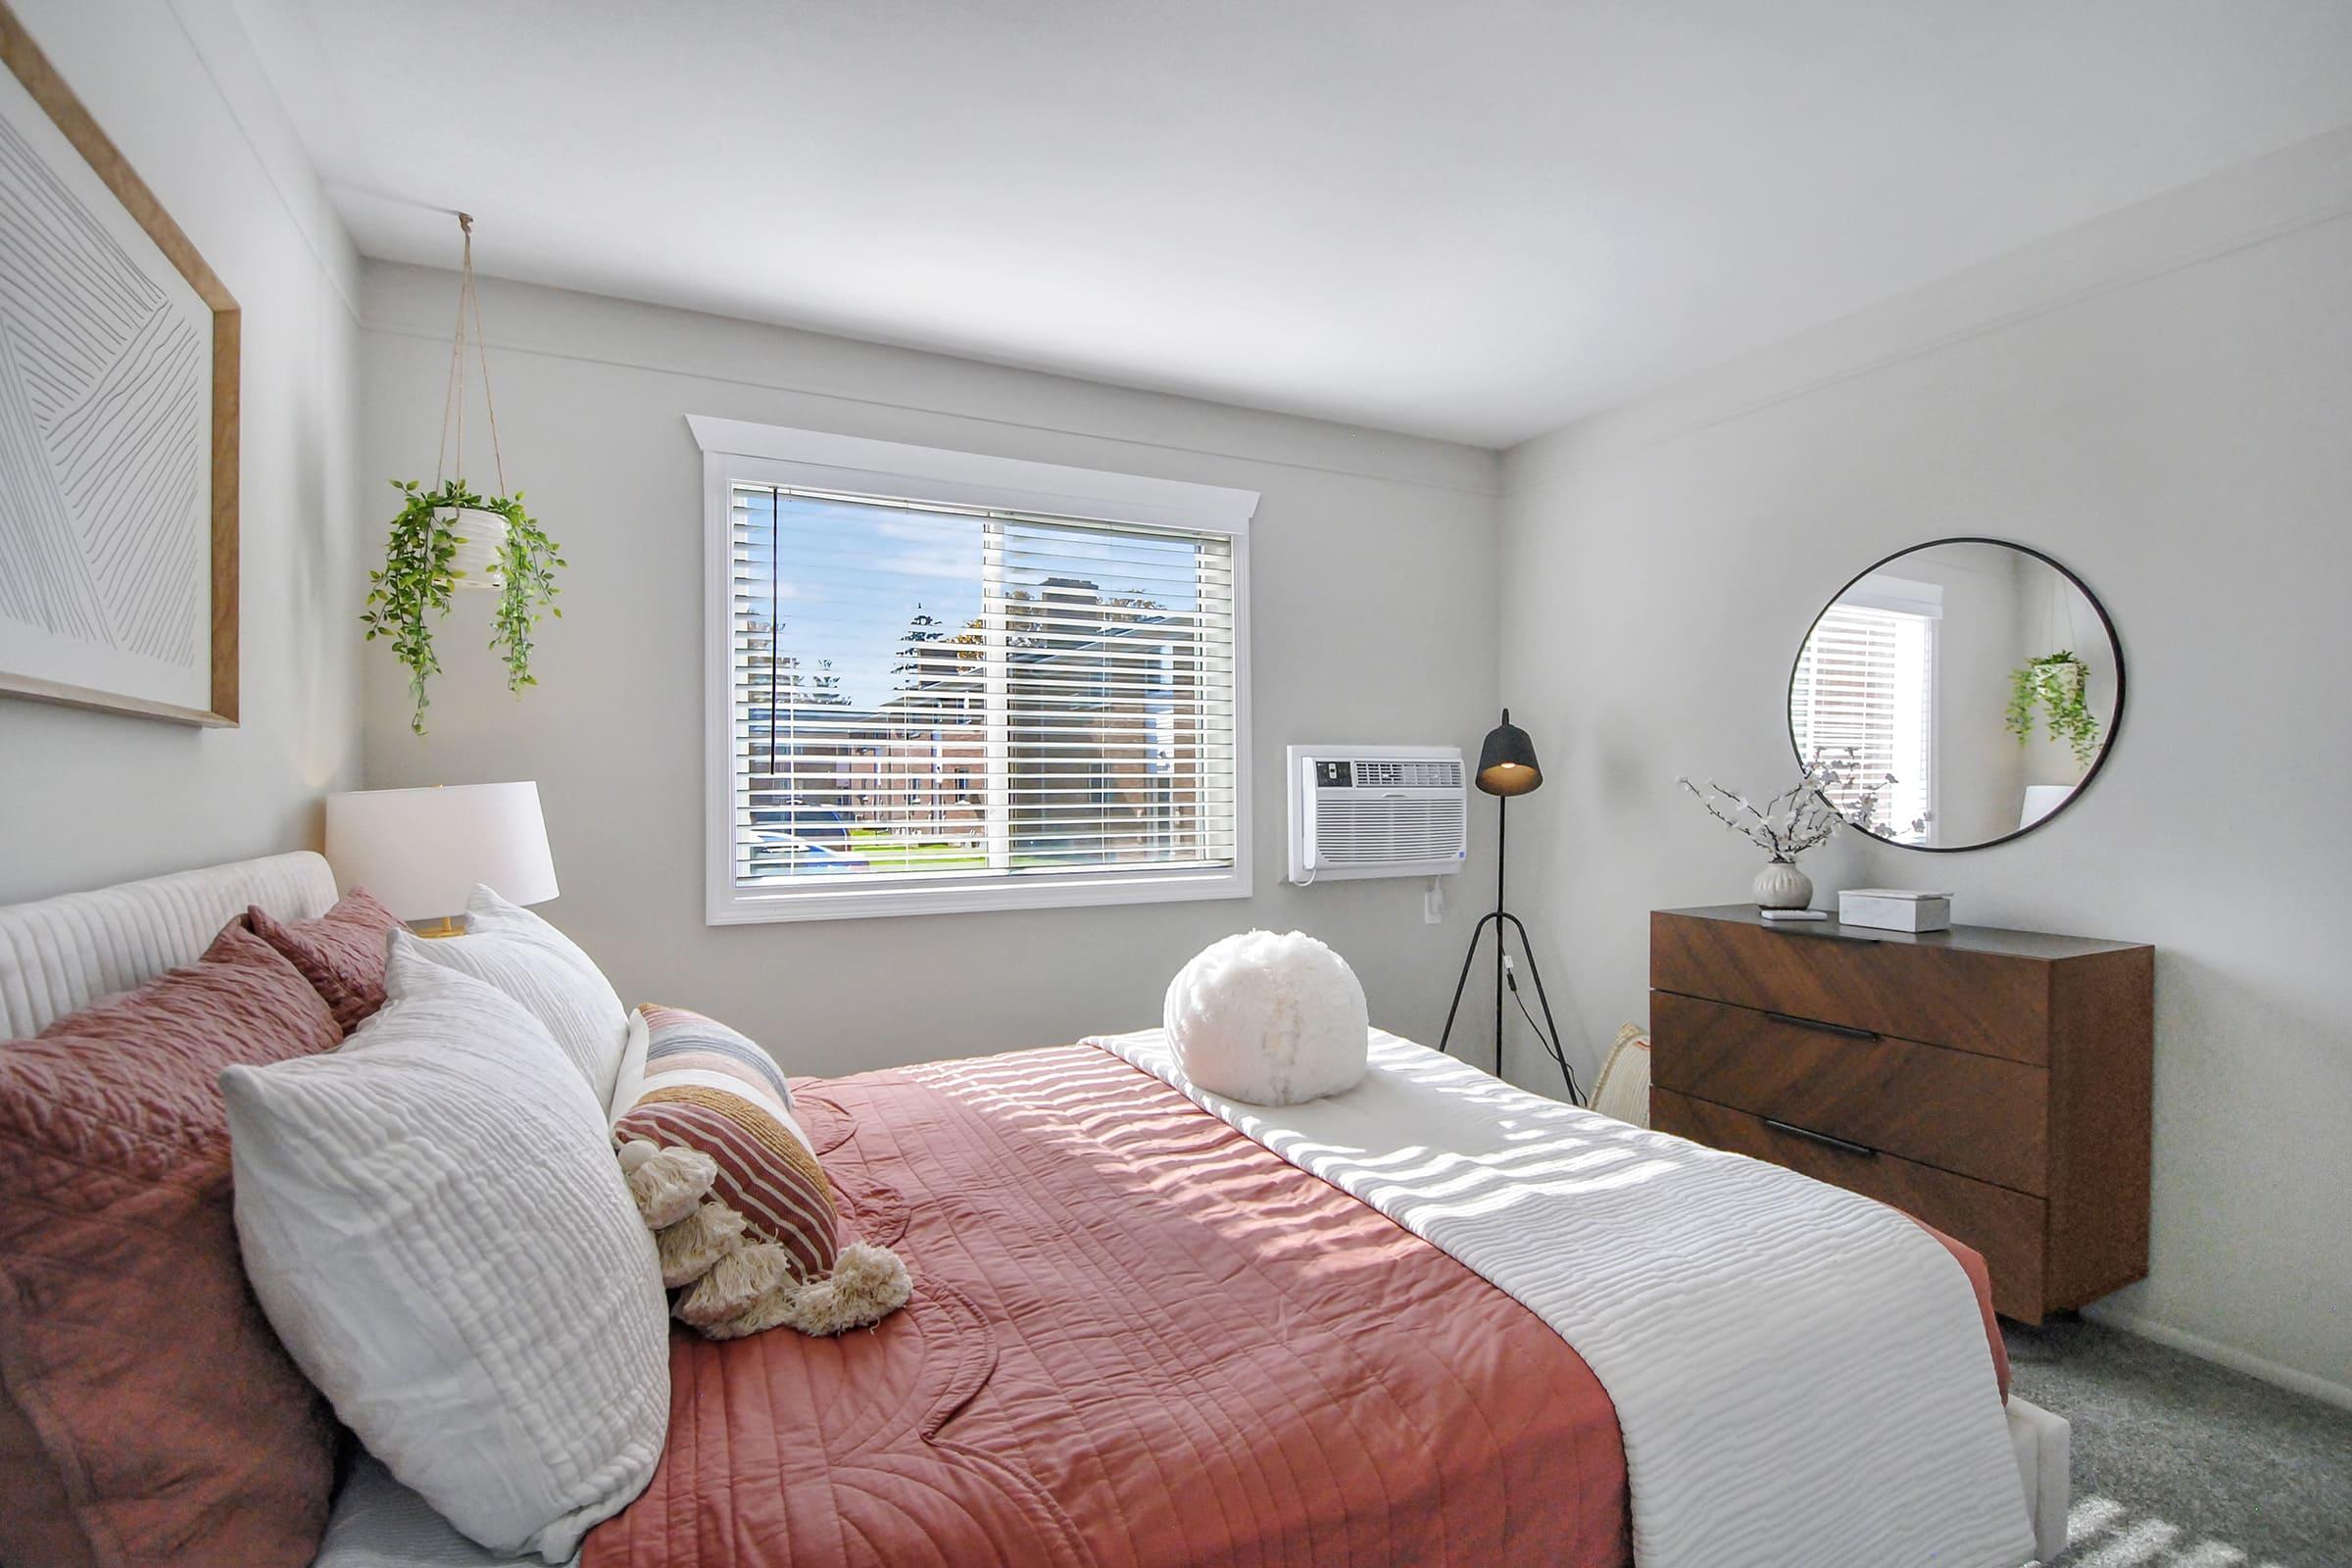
pixel 667 1182
pixel 868 1284
pixel 736 1281
pixel 693 1246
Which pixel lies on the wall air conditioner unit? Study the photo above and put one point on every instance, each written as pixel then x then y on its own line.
pixel 1377 811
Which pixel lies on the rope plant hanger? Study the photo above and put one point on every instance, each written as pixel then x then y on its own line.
pixel 448 537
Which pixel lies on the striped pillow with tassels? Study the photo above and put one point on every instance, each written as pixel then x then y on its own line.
pixel 708 1088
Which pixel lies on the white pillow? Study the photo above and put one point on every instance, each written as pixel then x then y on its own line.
pixel 1269 1019
pixel 542 968
pixel 434 1223
pixel 630 1082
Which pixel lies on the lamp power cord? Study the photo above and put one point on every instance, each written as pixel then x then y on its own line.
pixel 1549 1042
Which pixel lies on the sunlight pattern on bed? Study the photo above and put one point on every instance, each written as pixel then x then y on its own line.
pixel 1799 1374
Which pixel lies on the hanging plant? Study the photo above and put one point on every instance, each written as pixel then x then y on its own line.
pixel 449 537
pixel 2058 684
pixel 427 559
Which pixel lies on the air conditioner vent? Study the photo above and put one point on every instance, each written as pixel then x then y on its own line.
pixel 1373 832
pixel 1388 772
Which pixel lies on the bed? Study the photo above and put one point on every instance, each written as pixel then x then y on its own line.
pixel 1143 1333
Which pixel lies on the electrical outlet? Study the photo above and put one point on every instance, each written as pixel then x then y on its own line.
pixel 1433 902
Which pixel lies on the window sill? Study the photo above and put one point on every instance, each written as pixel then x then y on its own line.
pixel 743 907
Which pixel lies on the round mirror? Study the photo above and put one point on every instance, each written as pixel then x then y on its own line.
pixel 1957 694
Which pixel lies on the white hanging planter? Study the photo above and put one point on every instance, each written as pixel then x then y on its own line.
pixel 2065 680
pixel 482 548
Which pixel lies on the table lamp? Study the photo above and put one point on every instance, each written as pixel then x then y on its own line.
pixel 421 852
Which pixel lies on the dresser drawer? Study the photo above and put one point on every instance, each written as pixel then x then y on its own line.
pixel 1978 1115
pixel 2005 1226
pixel 1994 1004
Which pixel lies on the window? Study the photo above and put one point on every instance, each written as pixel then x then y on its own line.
pixel 1864 698
pixel 942 681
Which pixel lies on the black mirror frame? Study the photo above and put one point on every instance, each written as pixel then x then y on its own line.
pixel 2114 724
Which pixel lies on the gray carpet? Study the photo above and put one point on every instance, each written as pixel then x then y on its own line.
pixel 2183 1464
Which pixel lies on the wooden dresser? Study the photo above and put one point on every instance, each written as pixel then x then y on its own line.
pixel 1994 1084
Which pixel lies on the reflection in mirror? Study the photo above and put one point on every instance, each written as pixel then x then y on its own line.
pixel 1981 677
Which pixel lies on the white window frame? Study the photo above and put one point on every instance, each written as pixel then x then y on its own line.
pixel 1915 601
pixel 735 451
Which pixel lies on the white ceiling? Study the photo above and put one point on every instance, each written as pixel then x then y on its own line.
pixel 1476 220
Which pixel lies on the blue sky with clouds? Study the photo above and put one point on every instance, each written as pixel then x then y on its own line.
pixel 852 576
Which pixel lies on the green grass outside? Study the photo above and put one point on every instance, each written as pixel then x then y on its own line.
pixel 884 854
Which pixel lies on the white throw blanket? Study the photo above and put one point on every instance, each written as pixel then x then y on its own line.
pixel 1799 1374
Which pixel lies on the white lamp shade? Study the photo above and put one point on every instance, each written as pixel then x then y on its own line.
pixel 421 852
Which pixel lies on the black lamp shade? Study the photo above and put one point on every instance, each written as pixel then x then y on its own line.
pixel 1506 763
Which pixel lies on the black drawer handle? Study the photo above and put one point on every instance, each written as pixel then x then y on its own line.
pixel 1810 1136
pixel 1845 1029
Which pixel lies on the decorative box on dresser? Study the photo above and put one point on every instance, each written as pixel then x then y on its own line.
pixel 1995 1084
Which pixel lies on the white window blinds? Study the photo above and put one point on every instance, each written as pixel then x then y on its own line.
pixel 1863 698
pixel 923 695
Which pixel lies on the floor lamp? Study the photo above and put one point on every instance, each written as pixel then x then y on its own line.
pixel 1506 766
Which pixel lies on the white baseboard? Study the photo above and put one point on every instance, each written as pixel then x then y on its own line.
pixel 2236 1360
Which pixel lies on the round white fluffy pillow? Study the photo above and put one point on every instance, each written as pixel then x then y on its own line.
pixel 1268 1019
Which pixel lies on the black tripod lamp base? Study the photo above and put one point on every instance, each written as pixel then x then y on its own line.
pixel 1550 1035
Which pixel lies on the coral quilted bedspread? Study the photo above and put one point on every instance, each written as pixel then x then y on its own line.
pixel 1137 1337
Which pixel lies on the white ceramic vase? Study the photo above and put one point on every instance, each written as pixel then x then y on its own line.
pixel 482 557
pixel 1782 886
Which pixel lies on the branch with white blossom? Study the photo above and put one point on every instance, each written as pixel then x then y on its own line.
pixel 1802 816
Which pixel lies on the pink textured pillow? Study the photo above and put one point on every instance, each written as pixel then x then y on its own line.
pixel 147 1412
pixel 342 952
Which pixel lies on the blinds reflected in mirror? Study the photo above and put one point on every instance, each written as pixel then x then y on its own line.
pixel 1863 697
pixel 928 693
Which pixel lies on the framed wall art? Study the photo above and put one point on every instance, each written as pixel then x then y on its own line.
pixel 118 424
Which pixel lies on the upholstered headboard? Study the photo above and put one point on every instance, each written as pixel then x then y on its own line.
pixel 61 953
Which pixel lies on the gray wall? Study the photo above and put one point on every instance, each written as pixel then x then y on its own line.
pixel 1373 603
pixel 91 798
pixel 2160 399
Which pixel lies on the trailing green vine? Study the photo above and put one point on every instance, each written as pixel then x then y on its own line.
pixel 418 578
pixel 526 586
pixel 2059 684
pixel 420 572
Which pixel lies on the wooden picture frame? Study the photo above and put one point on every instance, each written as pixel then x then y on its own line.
pixel 218 708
